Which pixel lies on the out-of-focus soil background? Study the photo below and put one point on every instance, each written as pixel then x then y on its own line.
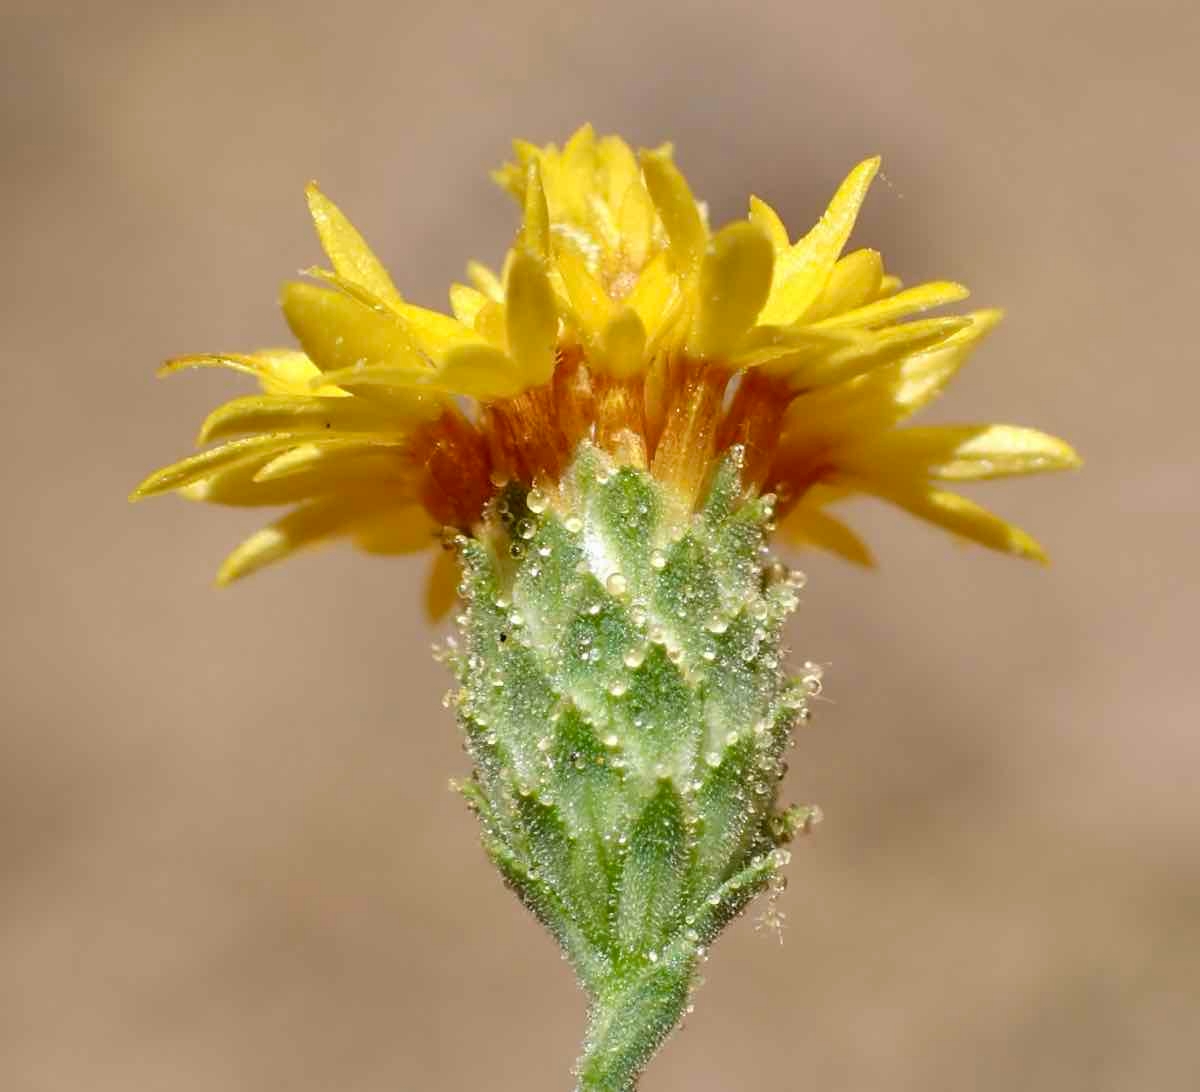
pixel 230 859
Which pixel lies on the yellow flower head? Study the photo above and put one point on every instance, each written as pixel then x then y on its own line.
pixel 620 318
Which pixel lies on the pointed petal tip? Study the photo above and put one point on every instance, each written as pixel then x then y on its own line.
pixel 232 570
pixel 1026 547
pixel 149 487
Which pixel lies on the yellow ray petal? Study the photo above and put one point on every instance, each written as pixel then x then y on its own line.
pixel 485 280
pixel 870 350
pixel 531 319
pixel 390 384
pixel 236 485
pixel 655 294
pixel 235 362
pixel 622 346
pixel 338 332
pixel 478 371
pixel 534 236
pixel 889 286
pixel 676 208
pixel 511 176
pixel 490 325
pixel 631 233
pixel 430 332
pixel 954 513
pixel 966 452
pixel 347 250
pixel 300 413
pixel 441 586
pixel 885 397
pixel 466 303
pixel 853 283
pixel 279 371
pixel 802 271
pixel 306 471
pixel 923 377
pixel 373 458
pixel 397 529
pixel 621 170
pixel 807 525
pixel 735 277
pixel 200 465
pixel 435 334
pixel 319 520
pixel 230 484
pixel 767 219
pixel 922 297
pixel 767 345
pixel 589 302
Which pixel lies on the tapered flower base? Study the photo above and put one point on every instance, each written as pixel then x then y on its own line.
pixel 624 701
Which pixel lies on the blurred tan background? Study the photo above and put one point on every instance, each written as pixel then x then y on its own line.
pixel 230 859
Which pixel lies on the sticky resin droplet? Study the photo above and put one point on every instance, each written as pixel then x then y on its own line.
pixel 612 740
pixel 718 625
pixel 634 658
pixel 658 560
pixel 618 688
pixel 526 528
pixel 536 501
pixel 617 585
pixel 573 524
pixel 713 758
pixel 797 579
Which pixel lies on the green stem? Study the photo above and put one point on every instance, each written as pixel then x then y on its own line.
pixel 630 1021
